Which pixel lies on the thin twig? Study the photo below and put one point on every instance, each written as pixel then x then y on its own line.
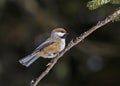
pixel 76 41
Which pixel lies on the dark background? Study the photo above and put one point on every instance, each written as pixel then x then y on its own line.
pixel 24 24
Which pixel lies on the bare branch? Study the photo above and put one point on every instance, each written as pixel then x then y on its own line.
pixel 76 41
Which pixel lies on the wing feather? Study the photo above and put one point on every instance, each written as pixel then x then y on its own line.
pixel 43 45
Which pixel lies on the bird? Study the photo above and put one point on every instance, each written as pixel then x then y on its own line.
pixel 49 48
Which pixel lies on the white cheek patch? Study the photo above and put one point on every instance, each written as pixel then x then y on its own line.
pixel 60 34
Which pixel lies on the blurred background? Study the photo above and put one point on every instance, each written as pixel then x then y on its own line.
pixel 24 24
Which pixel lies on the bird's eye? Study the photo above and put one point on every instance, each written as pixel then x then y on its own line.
pixel 62 31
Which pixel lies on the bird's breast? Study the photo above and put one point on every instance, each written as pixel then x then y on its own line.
pixel 62 44
pixel 57 46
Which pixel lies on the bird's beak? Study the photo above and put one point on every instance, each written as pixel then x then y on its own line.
pixel 65 35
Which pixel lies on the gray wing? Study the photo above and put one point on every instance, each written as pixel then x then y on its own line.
pixel 43 45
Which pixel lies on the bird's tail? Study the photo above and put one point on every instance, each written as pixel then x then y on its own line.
pixel 28 60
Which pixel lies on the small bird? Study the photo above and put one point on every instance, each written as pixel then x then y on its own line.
pixel 48 49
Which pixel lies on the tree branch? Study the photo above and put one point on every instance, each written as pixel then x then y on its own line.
pixel 76 41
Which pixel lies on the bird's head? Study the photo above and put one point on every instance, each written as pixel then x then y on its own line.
pixel 60 32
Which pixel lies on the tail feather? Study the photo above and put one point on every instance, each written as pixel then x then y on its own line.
pixel 28 60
